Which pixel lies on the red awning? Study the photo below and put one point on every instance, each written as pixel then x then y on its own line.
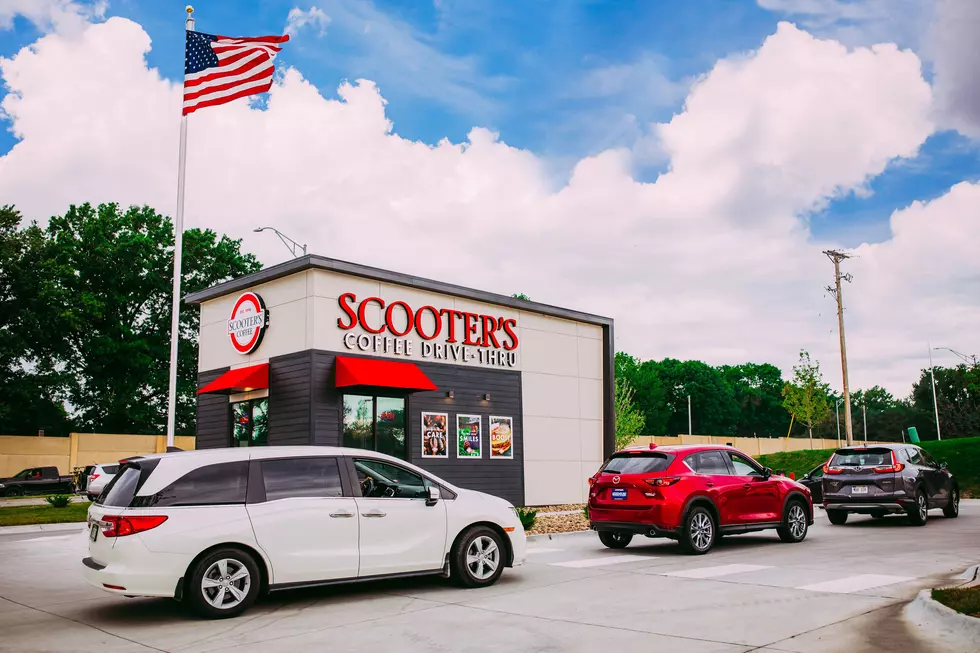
pixel 381 374
pixel 242 379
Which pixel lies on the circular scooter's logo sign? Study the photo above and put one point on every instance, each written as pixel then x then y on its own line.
pixel 248 322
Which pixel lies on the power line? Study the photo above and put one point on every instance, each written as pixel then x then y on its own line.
pixel 838 256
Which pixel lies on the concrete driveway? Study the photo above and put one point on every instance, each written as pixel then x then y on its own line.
pixel 840 590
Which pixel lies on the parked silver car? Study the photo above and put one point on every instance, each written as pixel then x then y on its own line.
pixel 98 478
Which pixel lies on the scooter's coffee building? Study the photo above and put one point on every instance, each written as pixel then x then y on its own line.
pixel 493 393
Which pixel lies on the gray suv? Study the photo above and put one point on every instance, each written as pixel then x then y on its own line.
pixel 890 478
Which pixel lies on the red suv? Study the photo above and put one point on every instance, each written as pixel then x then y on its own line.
pixel 693 494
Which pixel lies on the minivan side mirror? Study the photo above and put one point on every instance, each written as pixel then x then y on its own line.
pixel 434 496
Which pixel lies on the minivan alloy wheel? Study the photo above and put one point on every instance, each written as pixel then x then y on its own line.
pixel 482 557
pixel 226 583
pixel 701 528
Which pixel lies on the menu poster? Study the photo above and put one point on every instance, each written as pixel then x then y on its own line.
pixel 435 427
pixel 468 436
pixel 501 437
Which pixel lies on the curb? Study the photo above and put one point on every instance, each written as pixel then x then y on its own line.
pixel 970 574
pixel 43 528
pixel 544 537
pixel 957 632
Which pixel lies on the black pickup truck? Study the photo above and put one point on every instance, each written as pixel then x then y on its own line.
pixel 36 480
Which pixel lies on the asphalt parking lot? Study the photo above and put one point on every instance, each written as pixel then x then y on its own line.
pixel 840 590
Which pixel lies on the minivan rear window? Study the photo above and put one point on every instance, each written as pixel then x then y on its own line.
pixel 119 493
pixel 861 458
pixel 121 490
pixel 643 462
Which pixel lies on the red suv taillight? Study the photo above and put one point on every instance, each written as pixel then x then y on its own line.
pixel 92 477
pixel 894 468
pixel 119 526
pixel 827 469
pixel 662 482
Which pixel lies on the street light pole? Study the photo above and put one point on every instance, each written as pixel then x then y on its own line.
pixel 291 244
pixel 689 429
pixel 935 401
pixel 864 416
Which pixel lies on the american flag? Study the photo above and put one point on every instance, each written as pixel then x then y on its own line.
pixel 219 69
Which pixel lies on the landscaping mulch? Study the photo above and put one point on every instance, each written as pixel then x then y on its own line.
pixel 559 508
pixel 559 523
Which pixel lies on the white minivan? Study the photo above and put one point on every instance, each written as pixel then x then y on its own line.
pixel 216 527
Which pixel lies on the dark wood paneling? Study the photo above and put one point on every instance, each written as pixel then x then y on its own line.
pixel 608 391
pixel 290 397
pixel 213 415
pixel 502 477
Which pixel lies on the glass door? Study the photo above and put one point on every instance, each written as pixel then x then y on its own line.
pixel 250 423
pixel 375 423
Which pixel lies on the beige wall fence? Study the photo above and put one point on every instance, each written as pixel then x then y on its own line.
pixel 18 452
pixel 751 446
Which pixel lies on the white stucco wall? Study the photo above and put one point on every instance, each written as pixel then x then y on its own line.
pixel 560 361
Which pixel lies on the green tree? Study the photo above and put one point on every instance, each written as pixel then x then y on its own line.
pixel 32 386
pixel 958 399
pixel 109 273
pixel 649 395
pixel 629 419
pixel 521 295
pixel 757 390
pixel 805 397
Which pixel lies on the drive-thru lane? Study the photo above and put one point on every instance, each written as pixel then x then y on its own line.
pixel 841 589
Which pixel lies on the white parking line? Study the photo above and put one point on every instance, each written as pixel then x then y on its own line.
pixel 600 562
pixel 855 583
pixel 542 550
pixel 715 572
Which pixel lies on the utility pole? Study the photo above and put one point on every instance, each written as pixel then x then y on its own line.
pixel 837 257
pixel 837 408
pixel 935 401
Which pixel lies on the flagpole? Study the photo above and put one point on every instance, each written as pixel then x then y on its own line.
pixel 178 252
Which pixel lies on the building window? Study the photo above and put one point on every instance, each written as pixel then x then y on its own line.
pixel 375 423
pixel 250 423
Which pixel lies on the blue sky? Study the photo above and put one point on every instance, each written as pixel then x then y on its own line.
pixel 563 79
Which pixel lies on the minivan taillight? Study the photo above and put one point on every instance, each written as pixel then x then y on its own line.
pixel 894 468
pixel 119 526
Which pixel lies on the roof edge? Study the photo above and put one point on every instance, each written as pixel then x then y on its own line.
pixel 314 262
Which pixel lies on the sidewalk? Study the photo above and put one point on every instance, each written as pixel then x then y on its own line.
pixel 34 501
pixel 43 528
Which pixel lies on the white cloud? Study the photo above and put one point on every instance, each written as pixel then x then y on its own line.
pixel 711 261
pixel 298 19
pixel 64 16
pixel 956 53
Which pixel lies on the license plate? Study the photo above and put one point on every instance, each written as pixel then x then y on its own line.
pixel 619 495
pixel 93 532
pixel 859 489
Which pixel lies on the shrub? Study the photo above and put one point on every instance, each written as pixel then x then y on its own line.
pixel 527 516
pixel 585 511
pixel 59 500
